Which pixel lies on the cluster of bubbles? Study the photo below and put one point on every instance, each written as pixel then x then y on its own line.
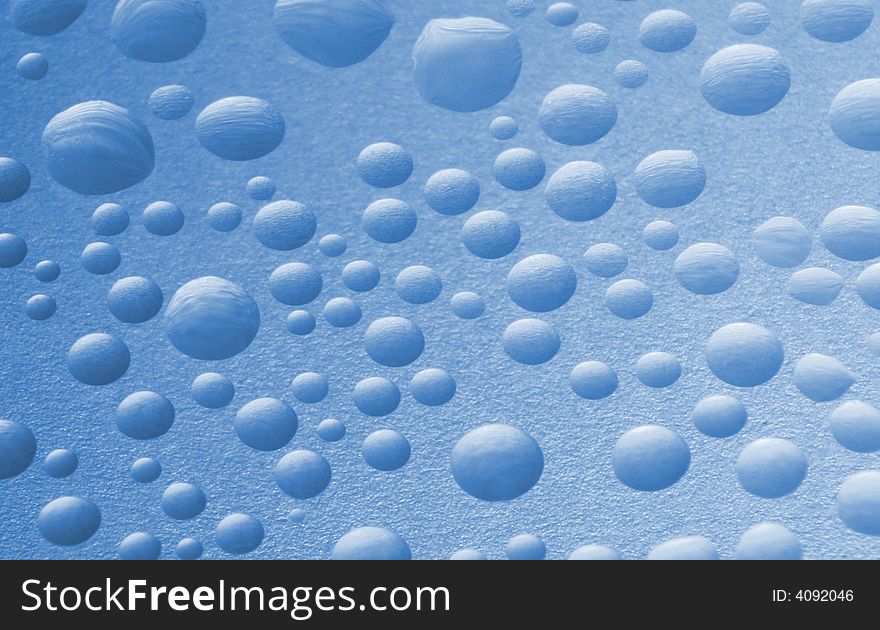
pixel 463 64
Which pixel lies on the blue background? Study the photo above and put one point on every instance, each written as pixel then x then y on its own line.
pixel 786 161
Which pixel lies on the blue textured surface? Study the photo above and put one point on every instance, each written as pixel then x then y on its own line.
pixel 561 348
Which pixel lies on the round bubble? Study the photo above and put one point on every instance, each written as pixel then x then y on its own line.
pixel 685 548
pixel 134 299
pixel 295 283
pixel 284 225
pixel 530 341
pixel 490 234
pixel 144 415
pixel 836 20
pixel 852 232
pixel 140 546
pixel 332 245
pixel 855 115
pixel 212 390
pixel 467 305
pixel 629 299
pixel 370 543
pixel 384 164
pixel 60 463
pixel 432 387
pixel 100 258
pixel 581 191
pixel 171 102
pixel 468 554
pixel 331 430
pixel 109 219
pixel 605 260
pixel 376 396
pixel 771 467
pixel 182 501
pixel 856 426
pixel 650 458
pixel 630 74
pixel 310 387
pixel 17 448
pixel 13 249
pixel 782 242
pixel 45 17
pixel 590 38
pixel 68 520
pixel 706 268
pixel 520 8
pixel 858 502
pixel 260 188
pixel 418 284
pixel 519 169
pixel 541 283
pixel 466 64
pixel 822 378
pixel 667 30
pixel 594 552
pixel 660 235
pixel 452 191
pixel 503 128
pixel 562 14
pixel 97 148
pixel 297 516
pixel 394 341
pixel 145 470
pixel 189 549
pixel 224 216
pixel 341 312
pixel 211 318
pixel 333 33
pixel 743 354
pixel 15 179
pixel 658 369
pixel 360 275
pixel 577 114
pixel 302 474
pixel 749 18
pixel 266 424
pixel 768 541
pixel 239 533
pixel 593 380
pixel 32 66
pixel 158 31
pixel 389 220
pixel 40 307
pixel 98 359
pixel 669 179
pixel 300 322
pixel 385 450
pixel 868 285
pixel 47 270
pixel 745 79
pixel 525 547
pixel 719 416
pixel 240 128
pixel 496 462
